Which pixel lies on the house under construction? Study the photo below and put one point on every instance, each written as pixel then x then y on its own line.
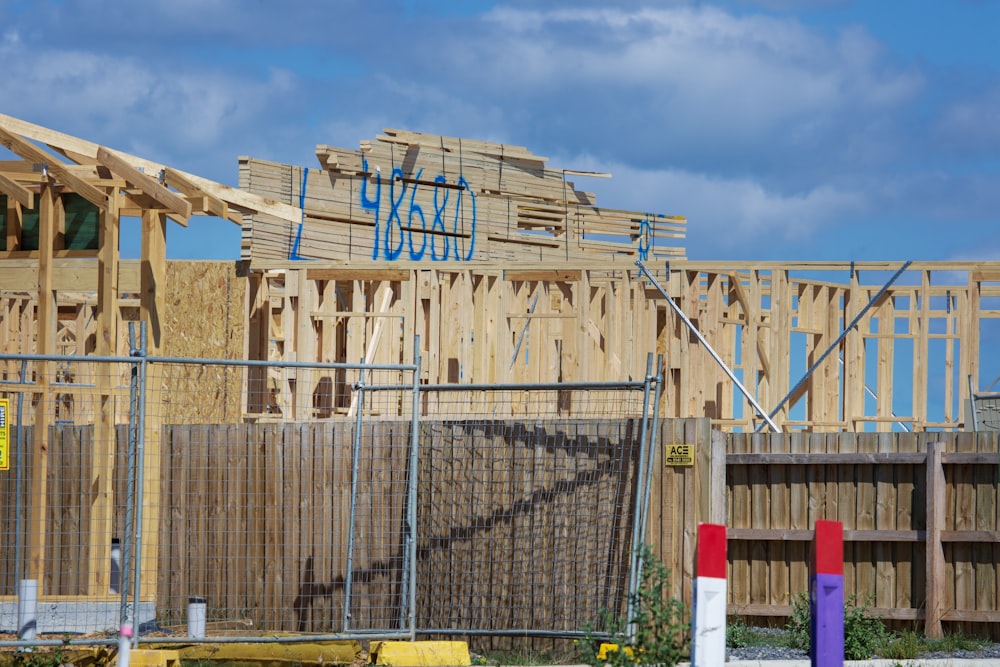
pixel 498 265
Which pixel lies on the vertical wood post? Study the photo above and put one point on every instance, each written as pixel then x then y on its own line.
pixel 934 597
pixel 45 344
pixel 717 480
pixel 102 454
pixel 153 278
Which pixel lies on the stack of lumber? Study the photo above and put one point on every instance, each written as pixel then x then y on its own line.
pixel 408 196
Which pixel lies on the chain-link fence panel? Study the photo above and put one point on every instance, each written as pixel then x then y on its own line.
pixel 140 488
pixel 64 489
pixel 280 526
pixel 528 500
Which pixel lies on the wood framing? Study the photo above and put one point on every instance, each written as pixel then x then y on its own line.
pixel 61 208
pixel 487 322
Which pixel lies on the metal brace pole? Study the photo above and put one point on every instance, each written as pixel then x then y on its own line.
pixel 842 336
pixel 711 351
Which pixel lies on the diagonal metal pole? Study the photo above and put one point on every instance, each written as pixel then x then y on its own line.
pixel 711 351
pixel 836 343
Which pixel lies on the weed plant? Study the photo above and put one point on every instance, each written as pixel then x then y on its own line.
pixel 662 631
pixel 864 635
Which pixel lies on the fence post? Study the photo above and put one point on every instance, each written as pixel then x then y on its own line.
pixel 934 558
pixel 410 576
pixel 717 480
pixel 644 468
pixel 359 403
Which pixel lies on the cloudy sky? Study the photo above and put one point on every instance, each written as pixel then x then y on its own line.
pixel 783 129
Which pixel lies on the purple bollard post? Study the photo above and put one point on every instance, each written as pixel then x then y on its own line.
pixel 826 596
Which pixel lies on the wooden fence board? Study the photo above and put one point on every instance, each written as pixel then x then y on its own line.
pixel 249 509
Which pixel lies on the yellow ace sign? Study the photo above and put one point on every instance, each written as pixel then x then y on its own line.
pixel 4 434
pixel 678 455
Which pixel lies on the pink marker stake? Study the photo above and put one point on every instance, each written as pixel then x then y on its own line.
pixel 708 631
pixel 826 596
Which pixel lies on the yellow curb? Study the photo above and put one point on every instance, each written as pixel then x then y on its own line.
pixel 272 654
pixel 144 657
pixel 420 654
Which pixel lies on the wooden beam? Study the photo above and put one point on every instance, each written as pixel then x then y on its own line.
pixel 13 231
pixel 392 275
pixel 823 458
pixel 17 192
pixel 170 200
pixel 213 204
pixel 67 274
pixel 547 275
pixel 45 344
pixel 103 450
pixel 233 196
pixel 152 301
pixel 372 347
pixel 30 152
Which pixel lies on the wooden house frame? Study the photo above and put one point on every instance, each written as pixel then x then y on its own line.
pixel 51 283
pixel 540 278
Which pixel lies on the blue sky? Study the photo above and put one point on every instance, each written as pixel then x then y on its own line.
pixel 783 129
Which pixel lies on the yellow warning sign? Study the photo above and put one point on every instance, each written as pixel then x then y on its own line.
pixel 678 455
pixel 4 434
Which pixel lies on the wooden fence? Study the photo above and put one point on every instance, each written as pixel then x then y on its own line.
pixel 922 540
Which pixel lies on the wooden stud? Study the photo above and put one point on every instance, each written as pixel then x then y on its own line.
pixel 45 344
pixel 152 292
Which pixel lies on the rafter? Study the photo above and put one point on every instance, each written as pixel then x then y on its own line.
pixel 30 152
pixel 212 204
pixel 18 192
pixel 81 149
pixel 170 200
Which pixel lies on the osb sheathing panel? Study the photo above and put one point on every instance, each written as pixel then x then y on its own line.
pixel 202 317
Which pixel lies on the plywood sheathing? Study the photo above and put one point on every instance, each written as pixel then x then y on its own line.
pixel 408 196
pixel 593 322
pixel 202 316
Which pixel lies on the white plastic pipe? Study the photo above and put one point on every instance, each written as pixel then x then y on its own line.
pixel 124 644
pixel 116 566
pixel 196 617
pixel 27 603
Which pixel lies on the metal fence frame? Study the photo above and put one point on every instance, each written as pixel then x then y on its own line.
pixel 407 624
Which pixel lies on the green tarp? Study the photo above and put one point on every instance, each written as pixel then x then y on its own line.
pixel 82 224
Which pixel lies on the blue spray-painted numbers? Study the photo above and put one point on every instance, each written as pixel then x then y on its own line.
pixel 371 204
pixel 388 243
pixel 394 202
pixel 415 210
pixel 644 233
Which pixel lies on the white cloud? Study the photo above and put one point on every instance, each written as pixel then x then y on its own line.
pixel 734 213
pixel 690 87
pixel 155 109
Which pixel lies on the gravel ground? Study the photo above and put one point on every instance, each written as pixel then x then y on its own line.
pixel 784 653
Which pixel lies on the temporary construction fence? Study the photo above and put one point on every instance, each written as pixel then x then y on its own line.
pixel 414 509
